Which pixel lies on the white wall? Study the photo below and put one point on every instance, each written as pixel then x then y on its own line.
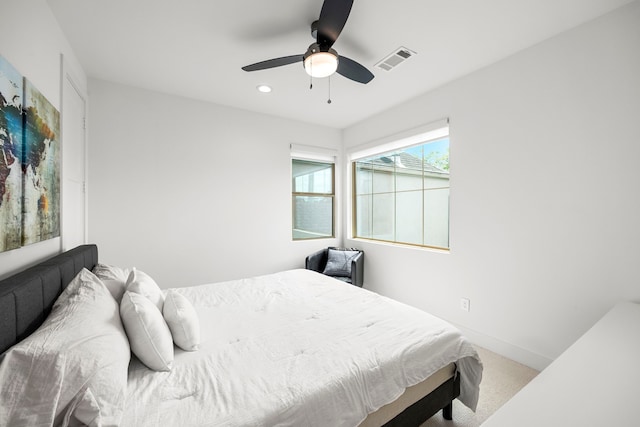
pixel 31 40
pixel 191 192
pixel 545 197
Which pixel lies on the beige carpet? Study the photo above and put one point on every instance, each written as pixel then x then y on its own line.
pixel 501 379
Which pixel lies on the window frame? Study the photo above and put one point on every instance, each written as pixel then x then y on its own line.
pixel 331 196
pixel 422 136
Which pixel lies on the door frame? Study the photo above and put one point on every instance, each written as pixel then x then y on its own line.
pixel 68 76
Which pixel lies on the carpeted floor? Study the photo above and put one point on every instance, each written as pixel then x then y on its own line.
pixel 501 379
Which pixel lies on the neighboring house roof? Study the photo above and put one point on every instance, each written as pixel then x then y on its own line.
pixel 407 161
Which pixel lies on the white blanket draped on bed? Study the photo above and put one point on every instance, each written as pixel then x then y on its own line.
pixel 296 349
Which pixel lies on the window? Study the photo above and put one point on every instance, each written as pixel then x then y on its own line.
pixel 313 199
pixel 402 195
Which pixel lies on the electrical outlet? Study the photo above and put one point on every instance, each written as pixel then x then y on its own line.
pixel 465 304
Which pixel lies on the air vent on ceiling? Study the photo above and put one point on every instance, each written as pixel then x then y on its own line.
pixel 398 56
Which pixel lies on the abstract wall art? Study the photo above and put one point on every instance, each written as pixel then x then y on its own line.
pixel 40 168
pixel 11 92
pixel 29 162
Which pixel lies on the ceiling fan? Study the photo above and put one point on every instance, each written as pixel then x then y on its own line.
pixel 320 60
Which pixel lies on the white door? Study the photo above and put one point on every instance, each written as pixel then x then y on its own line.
pixel 73 166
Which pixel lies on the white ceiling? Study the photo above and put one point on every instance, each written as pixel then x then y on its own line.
pixel 196 48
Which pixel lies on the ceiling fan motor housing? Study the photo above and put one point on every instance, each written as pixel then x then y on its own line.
pixel 315 48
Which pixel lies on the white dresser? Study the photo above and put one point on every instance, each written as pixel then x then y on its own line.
pixel 594 383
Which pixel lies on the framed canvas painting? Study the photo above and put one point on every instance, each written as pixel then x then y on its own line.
pixel 41 168
pixel 11 134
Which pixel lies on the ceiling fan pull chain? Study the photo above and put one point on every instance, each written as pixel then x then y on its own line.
pixel 329 100
pixel 311 75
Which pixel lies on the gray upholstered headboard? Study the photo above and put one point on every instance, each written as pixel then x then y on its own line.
pixel 26 298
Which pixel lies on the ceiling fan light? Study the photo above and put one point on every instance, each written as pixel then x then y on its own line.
pixel 321 64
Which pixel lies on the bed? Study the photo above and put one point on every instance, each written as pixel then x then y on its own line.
pixel 273 352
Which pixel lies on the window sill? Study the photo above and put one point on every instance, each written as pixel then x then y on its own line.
pixel 402 245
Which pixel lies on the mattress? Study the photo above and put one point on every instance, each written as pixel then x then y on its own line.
pixel 297 348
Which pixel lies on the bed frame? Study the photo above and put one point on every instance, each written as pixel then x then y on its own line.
pixel 26 299
pixel 441 398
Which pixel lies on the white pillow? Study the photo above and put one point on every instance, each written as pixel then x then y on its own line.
pixel 73 368
pixel 111 272
pixel 182 320
pixel 116 288
pixel 149 335
pixel 141 283
pixel 114 278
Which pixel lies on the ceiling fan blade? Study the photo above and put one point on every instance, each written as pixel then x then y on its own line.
pixel 272 63
pixel 354 71
pixel 333 16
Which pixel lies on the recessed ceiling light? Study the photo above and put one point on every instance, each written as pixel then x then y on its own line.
pixel 264 88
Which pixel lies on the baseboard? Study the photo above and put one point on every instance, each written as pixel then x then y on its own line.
pixel 513 352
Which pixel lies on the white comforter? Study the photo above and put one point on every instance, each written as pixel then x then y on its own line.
pixel 296 349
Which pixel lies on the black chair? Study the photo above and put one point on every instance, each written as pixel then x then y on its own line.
pixel 344 264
